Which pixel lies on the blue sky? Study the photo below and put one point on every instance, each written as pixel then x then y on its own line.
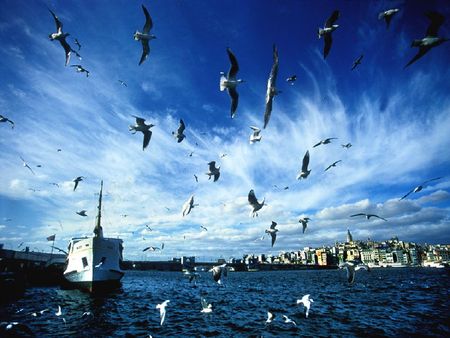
pixel 398 121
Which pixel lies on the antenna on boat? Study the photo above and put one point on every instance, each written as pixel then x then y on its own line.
pixel 98 230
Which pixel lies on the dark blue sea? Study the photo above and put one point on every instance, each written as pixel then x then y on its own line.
pixel 400 302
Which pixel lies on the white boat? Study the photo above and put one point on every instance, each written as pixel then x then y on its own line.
pixel 93 263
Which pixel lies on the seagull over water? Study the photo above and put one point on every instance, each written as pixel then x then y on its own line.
pixel 306 301
pixel 420 187
pixel 326 141
pixel 80 69
pixel 304 173
pixel 304 221
pixel 270 317
pixel 145 37
pixel 162 310
pixel 61 37
pixel 219 271
pixel 272 231
pixel 206 308
pixel 256 135
pixel 144 128
pixel 272 90
pixel 76 181
pixel 254 203
pixel 289 320
pixel 368 216
pixel 357 61
pixel 25 164
pixel 179 133
pixel 326 32
pixel 431 38
pixel 229 82
pixel 188 206
pixel 351 267
pixel 5 119
pixel 213 171
pixel 333 165
pixel 387 15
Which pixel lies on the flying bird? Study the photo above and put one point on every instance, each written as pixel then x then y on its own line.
pixel 25 164
pixel 326 32
pixel 431 38
pixel 162 306
pixel 123 83
pixel 351 268
pixel 219 271
pixel 201 226
pixel 76 181
pixel 206 308
pixel 289 320
pixel 229 82
pixel 291 79
pixel 59 312
pixel 304 172
pixel 196 178
pixel 80 69
pixel 144 128
pixel 272 91
pixel 5 119
pixel 145 37
pixel 387 15
pixel 179 133
pixel 420 187
pixel 333 165
pixel 151 248
pixel 81 213
pixel 272 231
pixel 348 145
pixel 188 206
pixel 270 317
pixel 254 203
pixel 368 216
pixel 213 171
pixel 357 61
pixel 306 301
pixel 326 141
pixel 61 37
pixel 304 221
pixel 256 135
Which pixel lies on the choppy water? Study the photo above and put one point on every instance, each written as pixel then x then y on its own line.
pixel 385 302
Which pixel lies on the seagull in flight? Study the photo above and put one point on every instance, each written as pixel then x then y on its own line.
pixel 5 119
pixel 196 178
pixel 218 271
pixel 206 308
pixel 188 206
pixel 61 37
pixel 145 37
pixel 229 82
pixel 326 141
pixel 304 172
pixel 81 69
pixel 123 83
pixel 76 181
pixel 201 226
pixel 213 171
pixel 420 187
pixel 162 306
pixel 357 61
pixel 333 165
pixel 144 128
pixel 59 313
pixel 272 91
pixel 254 203
pixel 291 79
pixel 351 268
pixel 348 145
pixel 431 38
pixel 304 221
pixel 368 216
pixel 387 15
pixel 270 317
pixel 289 320
pixel 306 301
pixel 272 231
pixel 151 248
pixel 81 213
pixel 179 133
pixel 255 136
pixel 25 164
pixel 326 32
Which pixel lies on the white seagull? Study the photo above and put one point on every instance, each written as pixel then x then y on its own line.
pixel 289 320
pixel 145 37
pixel 218 271
pixel 272 231
pixel 304 221
pixel 306 301
pixel 272 90
pixel 387 15
pixel 61 37
pixel 230 82
pixel 351 268
pixel 254 203
pixel 420 187
pixel 144 128
pixel 255 136
pixel 81 69
pixel 213 171
pixel 188 205
pixel 26 165
pixel 162 310
pixel 206 308
pixel 326 32
pixel 304 172
pixel 270 317
pixel 59 313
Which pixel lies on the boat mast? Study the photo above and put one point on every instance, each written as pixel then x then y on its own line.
pixel 98 230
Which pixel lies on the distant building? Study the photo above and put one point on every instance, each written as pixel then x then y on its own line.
pixel 349 236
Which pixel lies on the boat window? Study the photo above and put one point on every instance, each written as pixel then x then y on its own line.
pixel 85 262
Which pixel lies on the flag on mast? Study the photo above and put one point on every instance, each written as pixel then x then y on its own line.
pixel 51 238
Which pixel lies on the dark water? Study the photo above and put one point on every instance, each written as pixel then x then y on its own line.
pixel 385 302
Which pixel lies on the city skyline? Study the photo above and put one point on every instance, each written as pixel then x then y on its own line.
pixel 68 125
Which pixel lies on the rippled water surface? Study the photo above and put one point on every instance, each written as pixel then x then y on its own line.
pixel 384 302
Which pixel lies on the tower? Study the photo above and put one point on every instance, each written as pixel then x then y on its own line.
pixel 349 236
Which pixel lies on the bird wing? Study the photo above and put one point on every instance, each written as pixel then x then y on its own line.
pixel 407 194
pixel 234 68
pixel 274 237
pixel 145 51
pixel 234 100
pixel 204 303
pixel 268 110
pixel 305 225
pixel 327 44
pixel 212 166
pixel 181 127
pixel 252 198
pixel 433 179
pixel 216 176
pixel 384 219
pixel 217 273
pixel 331 20
pixel 360 214
pixel 350 273
pixel 271 86
pixel 139 120
pixel 305 162
pixel 61 250
pixel 328 167
pixel 58 23
pixel 273 225
pixel 437 20
pixel 422 51
pixel 317 144
pixel 147 137
pixel 147 248
pixel 388 19
pixel 148 21
pixel 67 49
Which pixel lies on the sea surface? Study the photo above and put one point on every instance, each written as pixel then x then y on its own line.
pixel 400 302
